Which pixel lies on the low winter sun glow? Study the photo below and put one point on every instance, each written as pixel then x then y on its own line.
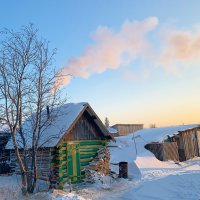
pixel 132 63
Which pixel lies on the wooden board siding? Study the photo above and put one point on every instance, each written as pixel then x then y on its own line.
pixel 188 145
pixel 187 142
pixel 125 129
pixel 170 151
pixel 164 151
pixel 198 140
pixel 180 143
pixel 84 129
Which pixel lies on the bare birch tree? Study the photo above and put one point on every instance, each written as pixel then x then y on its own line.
pixel 28 86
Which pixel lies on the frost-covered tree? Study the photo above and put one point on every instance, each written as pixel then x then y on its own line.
pixel 28 85
pixel 107 123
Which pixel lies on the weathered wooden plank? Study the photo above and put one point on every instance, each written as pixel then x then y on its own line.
pixel 88 153
pixel 92 142
pixel 82 148
pixel 86 159
pixel 87 156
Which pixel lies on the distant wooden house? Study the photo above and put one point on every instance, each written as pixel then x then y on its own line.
pixel 126 129
pixel 70 144
pixel 180 145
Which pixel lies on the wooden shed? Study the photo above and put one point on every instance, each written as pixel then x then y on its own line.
pixel 164 151
pixel 179 143
pixel 70 144
pixel 188 143
pixel 125 129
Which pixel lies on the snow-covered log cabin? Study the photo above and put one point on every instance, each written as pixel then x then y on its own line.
pixel 69 144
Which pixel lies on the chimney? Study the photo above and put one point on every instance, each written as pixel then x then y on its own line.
pixel 48 114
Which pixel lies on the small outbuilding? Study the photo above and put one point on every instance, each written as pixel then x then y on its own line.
pixel 188 143
pixel 70 144
pixel 179 143
pixel 126 129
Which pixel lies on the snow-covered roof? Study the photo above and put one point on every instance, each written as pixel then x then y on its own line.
pixel 4 128
pixel 66 116
pixel 160 134
pixel 112 130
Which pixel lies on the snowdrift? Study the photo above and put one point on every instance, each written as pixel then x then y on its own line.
pixel 131 149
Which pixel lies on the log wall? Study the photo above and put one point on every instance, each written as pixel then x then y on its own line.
pixel 86 152
pixel 43 160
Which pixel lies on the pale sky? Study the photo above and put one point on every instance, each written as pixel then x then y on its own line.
pixel 132 61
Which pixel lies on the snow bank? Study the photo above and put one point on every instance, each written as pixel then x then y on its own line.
pixel 131 149
pixel 172 187
pixel 123 150
pixel 70 196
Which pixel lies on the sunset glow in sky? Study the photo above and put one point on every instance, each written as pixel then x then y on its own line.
pixel 133 61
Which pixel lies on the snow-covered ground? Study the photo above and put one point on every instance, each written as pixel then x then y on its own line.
pixel 149 178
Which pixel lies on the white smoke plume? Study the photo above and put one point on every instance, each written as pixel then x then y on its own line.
pixel 111 49
pixel 180 49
